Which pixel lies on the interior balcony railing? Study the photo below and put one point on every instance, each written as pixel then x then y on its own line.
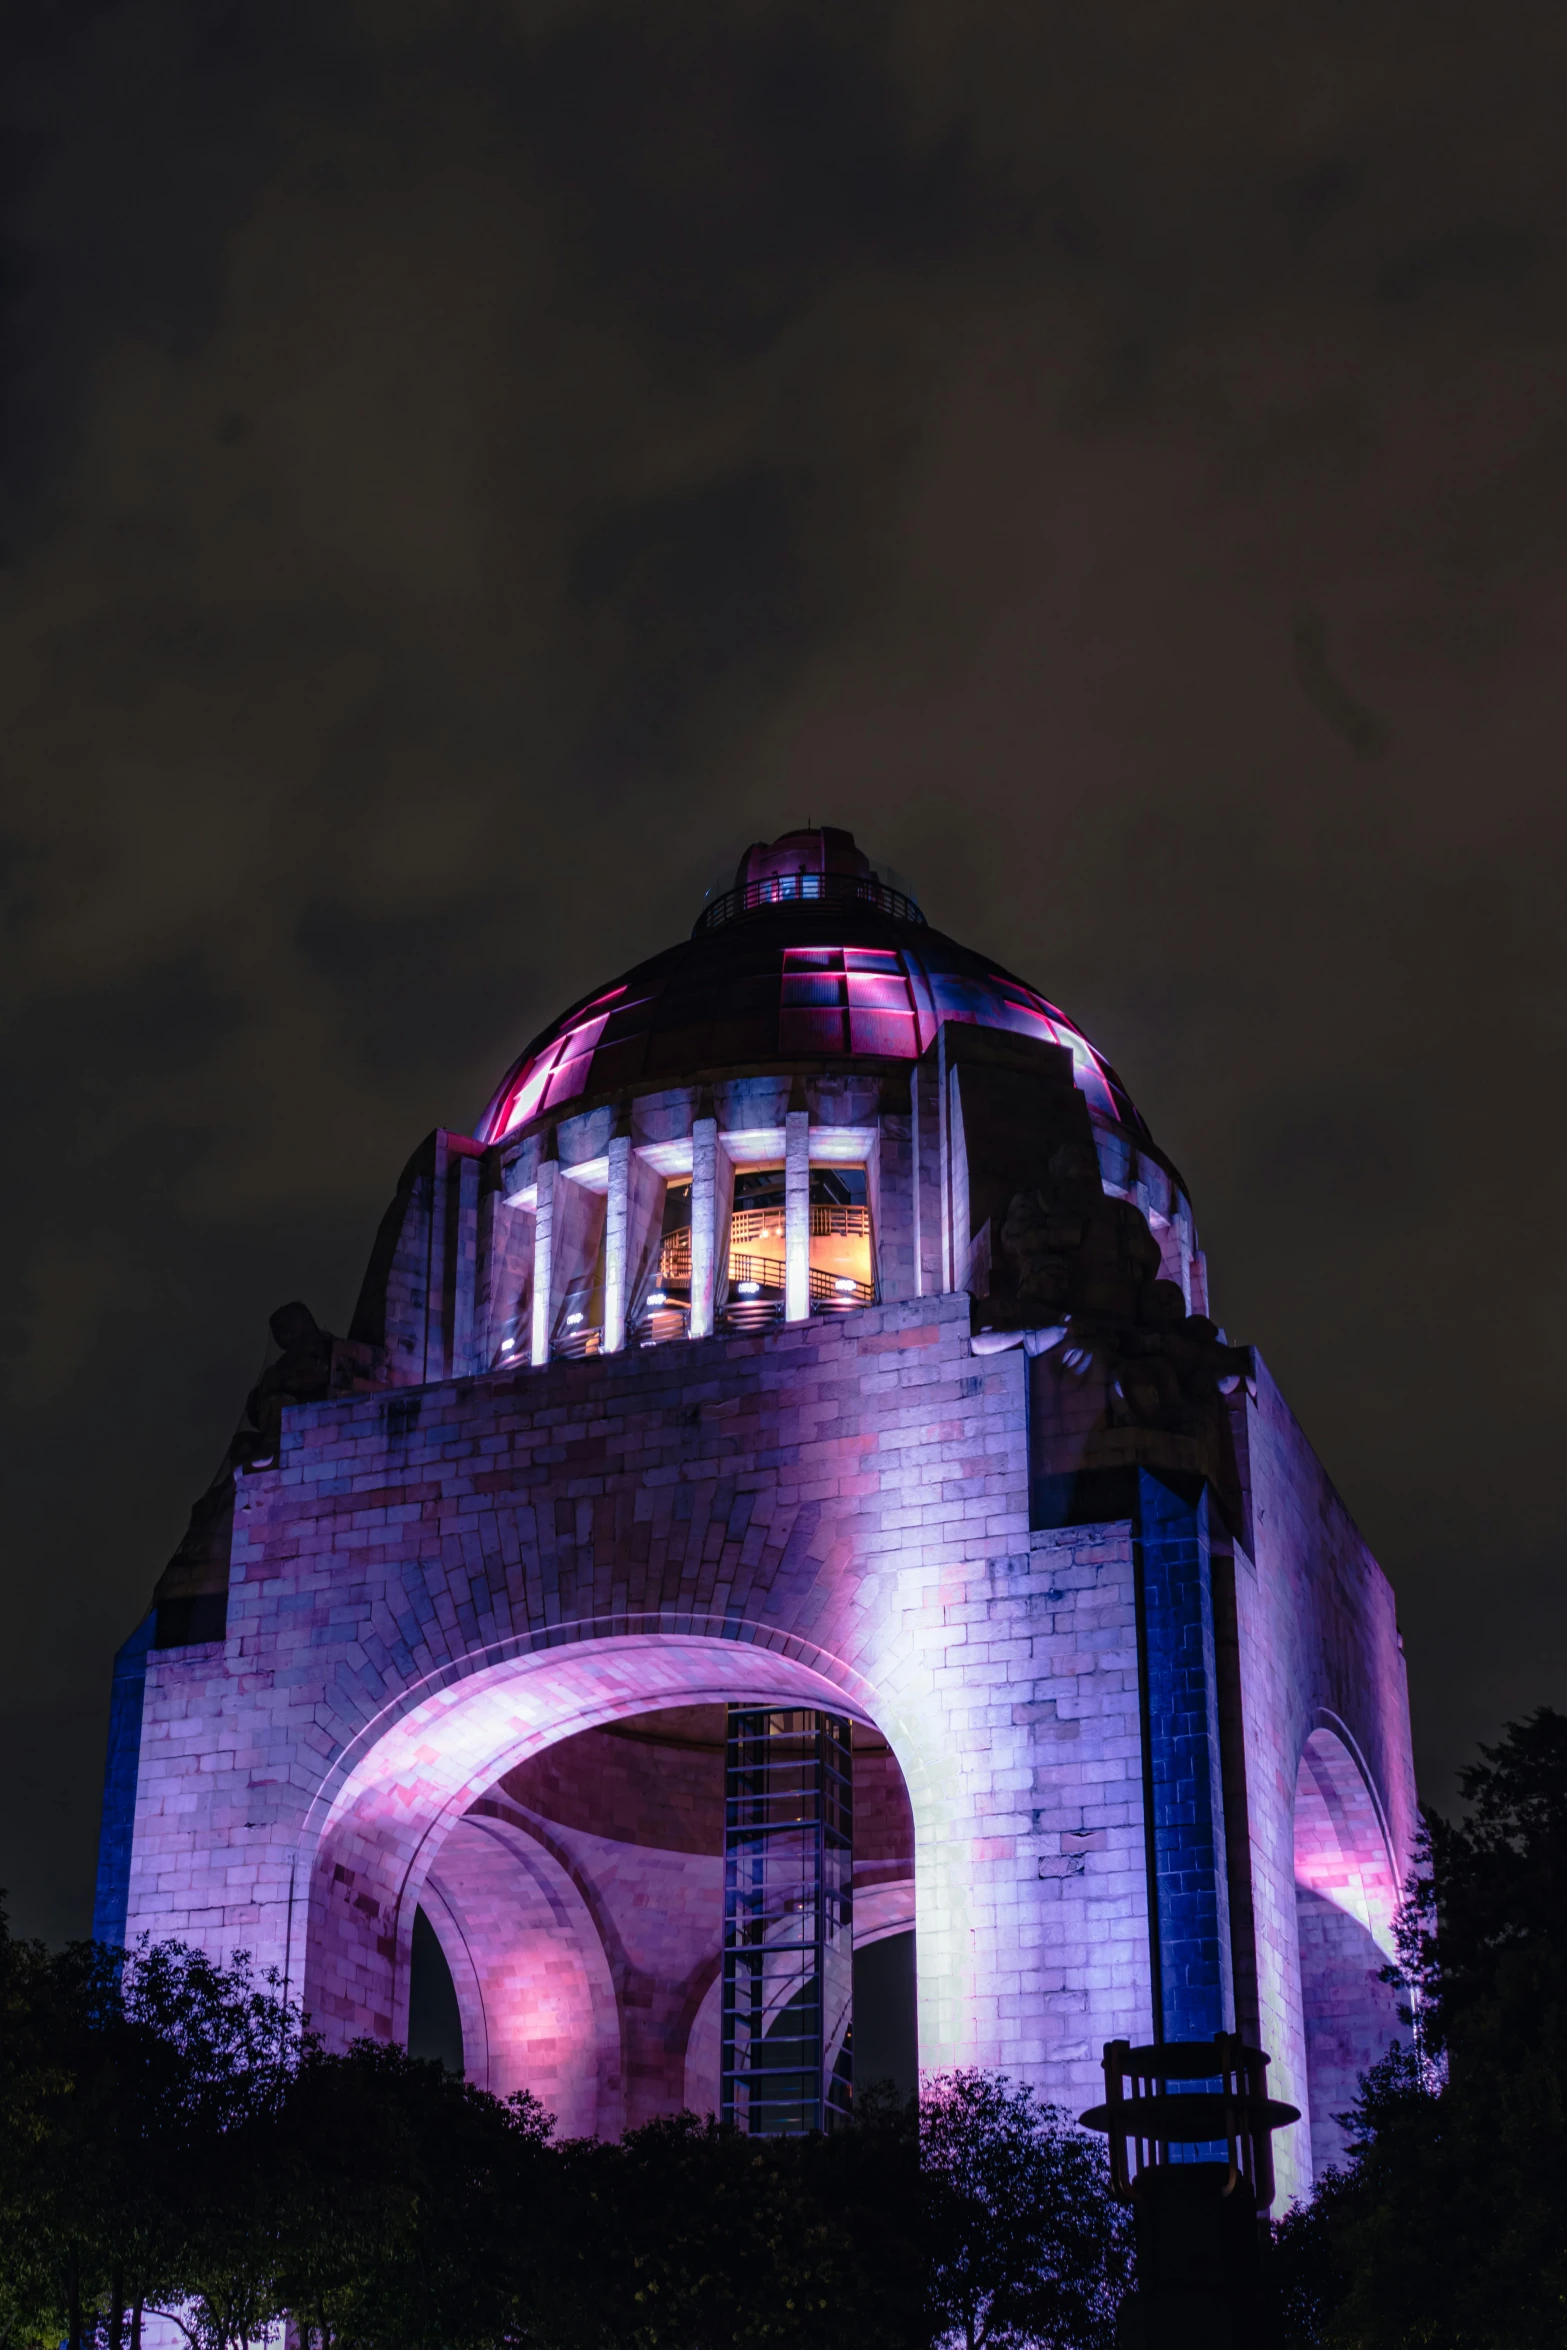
pixel 838 1291
pixel 831 1223
pixel 748 1270
pixel 748 1225
pixel 577 1338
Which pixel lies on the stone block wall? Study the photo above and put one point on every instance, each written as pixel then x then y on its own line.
pixel 435 1584
pixel 1319 1649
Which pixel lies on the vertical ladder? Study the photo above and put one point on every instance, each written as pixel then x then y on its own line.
pixel 788 1922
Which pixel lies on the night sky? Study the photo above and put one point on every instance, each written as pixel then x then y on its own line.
pixel 466 470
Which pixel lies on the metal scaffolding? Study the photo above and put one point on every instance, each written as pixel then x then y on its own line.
pixel 788 1922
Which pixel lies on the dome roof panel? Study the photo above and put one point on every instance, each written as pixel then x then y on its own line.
pixel 842 968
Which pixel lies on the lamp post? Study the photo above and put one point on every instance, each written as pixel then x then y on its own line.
pixel 1189 2124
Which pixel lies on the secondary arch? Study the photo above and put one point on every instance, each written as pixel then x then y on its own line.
pixel 1346 1906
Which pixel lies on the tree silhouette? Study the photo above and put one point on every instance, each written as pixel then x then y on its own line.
pixel 1025 2243
pixel 1448 2223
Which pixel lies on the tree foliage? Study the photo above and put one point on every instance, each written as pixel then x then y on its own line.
pixel 1024 2241
pixel 1448 2225
pixel 136 2095
pixel 173 2140
pixel 688 2234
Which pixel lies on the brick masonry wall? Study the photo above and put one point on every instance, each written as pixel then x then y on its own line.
pixel 435 1584
pixel 635 1790
pixel 1319 1647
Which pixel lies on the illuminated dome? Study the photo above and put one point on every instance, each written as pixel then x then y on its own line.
pixel 814 955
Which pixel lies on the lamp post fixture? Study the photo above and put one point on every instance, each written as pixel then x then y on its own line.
pixel 1189 2124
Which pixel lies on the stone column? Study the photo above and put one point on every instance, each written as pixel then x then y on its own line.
pixel 925 1143
pixel 543 1255
pixel 704 1226
pixel 465 1268
pixel 434 1365
pixel 956 1237
pixel 617 1222
pixel 487 1254
pixel 797 1216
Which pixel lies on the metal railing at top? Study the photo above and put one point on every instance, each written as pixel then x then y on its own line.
pixel 785 891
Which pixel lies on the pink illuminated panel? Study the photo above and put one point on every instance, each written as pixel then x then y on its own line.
pixel 744 1000
pixel 1001 1002
pixel 561 1071
pixel 847 999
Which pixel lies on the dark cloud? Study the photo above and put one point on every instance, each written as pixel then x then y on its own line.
pixel 466 468
pixel 1368 735
pixel 409 982
pixel 686 597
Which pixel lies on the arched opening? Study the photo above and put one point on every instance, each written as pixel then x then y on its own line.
pixel 1346 1900
pixel 434 2014
pixel 886 2034
pixel 568 1906
pixel 582 1894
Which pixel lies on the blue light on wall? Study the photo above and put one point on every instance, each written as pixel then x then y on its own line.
pixel 112 1899
pixel 1188 1888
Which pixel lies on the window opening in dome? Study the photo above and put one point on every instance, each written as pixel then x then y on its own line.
pixel 579 1325
pixel 760 1188
pixel 756 1250
pixel 843 1257
pixel 662 1311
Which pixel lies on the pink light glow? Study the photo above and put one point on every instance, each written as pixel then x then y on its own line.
pixel 871 1000
pixel 375 1833
pixel 847 999
pixel 559 1073
pixel 1341 1846
pixel 533 1986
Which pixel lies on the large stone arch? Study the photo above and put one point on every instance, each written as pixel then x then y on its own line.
pixel 389 1831
pixel 1346 1904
